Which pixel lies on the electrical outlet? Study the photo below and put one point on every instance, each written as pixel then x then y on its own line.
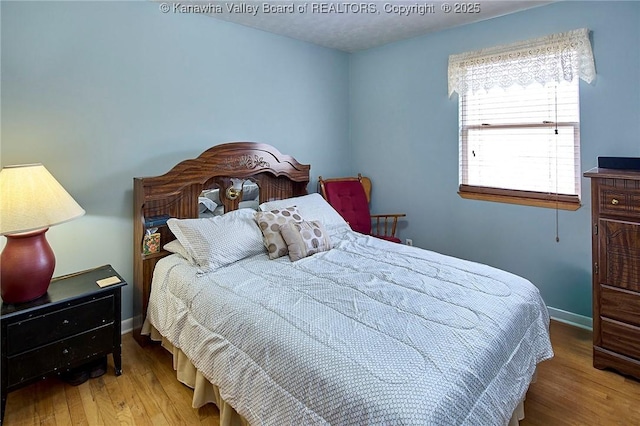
pixel 409 242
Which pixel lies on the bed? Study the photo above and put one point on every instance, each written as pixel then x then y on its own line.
pixel 347 330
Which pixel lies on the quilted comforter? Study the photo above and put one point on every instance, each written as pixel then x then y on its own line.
pixel 369 332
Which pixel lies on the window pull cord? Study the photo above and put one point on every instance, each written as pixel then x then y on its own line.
pixel 556 140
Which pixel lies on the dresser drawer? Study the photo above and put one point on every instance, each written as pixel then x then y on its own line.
pixel 59 355
pixel 619 254
pixel 619 337
pixel 619 201
pixel 53 326
pixel 620 304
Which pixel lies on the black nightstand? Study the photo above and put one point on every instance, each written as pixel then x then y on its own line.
pixel 74 323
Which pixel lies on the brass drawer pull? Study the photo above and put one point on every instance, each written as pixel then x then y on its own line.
pixel 615 201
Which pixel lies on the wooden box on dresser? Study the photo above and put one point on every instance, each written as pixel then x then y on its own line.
pixel 75 322
pixel 615 210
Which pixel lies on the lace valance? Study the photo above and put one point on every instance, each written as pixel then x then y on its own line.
pixel 554 58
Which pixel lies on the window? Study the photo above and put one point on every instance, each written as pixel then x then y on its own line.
pixel 520 121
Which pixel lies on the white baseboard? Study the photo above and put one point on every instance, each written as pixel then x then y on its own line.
pixel 571 318
pixel 126 326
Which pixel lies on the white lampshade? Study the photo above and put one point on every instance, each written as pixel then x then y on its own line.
pixel 31 198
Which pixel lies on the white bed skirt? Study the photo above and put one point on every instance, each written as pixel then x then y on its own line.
pixel 205 392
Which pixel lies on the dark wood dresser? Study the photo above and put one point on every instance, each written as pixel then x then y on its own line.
pixel 74 323
pixel 615 210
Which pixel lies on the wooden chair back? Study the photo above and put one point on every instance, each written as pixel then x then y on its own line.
pixel 384 225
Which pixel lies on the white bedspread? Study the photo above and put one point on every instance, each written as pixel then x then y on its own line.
pixel 370 332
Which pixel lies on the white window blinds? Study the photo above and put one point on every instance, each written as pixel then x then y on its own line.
pixel 507 142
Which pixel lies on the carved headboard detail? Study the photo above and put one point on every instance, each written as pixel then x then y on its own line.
pixel 176 192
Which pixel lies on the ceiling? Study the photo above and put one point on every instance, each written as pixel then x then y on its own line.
pixel 353 26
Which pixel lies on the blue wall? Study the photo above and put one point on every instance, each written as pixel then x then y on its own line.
pixel 404 134
pixel 101 92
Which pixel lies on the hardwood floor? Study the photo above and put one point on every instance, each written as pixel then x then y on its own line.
pixel 569 391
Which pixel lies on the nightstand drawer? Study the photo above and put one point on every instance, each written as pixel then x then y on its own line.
pixel 47 328
pixel 59 355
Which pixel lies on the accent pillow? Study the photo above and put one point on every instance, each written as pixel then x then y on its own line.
pixel 305 238
pixel 311 207
pixel 217 241
pixel 270 223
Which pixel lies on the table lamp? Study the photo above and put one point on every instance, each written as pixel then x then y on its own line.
pixel 31 200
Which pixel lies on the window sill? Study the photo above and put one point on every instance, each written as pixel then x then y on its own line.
pixel 524 198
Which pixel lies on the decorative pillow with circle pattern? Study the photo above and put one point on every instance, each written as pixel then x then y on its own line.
pixel 270 223
pixel 305 238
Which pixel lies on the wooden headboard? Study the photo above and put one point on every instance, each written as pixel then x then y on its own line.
pixel 176 194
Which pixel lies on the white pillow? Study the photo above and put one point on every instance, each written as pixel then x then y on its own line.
pixel 206 204
pixel 250 191
pixel 217 241
pixel 174 246
pixel 311 207
pixel 249 204
pixel 212 194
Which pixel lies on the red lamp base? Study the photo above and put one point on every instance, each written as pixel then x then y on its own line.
pixel 26 267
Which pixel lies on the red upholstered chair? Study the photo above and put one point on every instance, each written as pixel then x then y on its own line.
pixel 350 196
